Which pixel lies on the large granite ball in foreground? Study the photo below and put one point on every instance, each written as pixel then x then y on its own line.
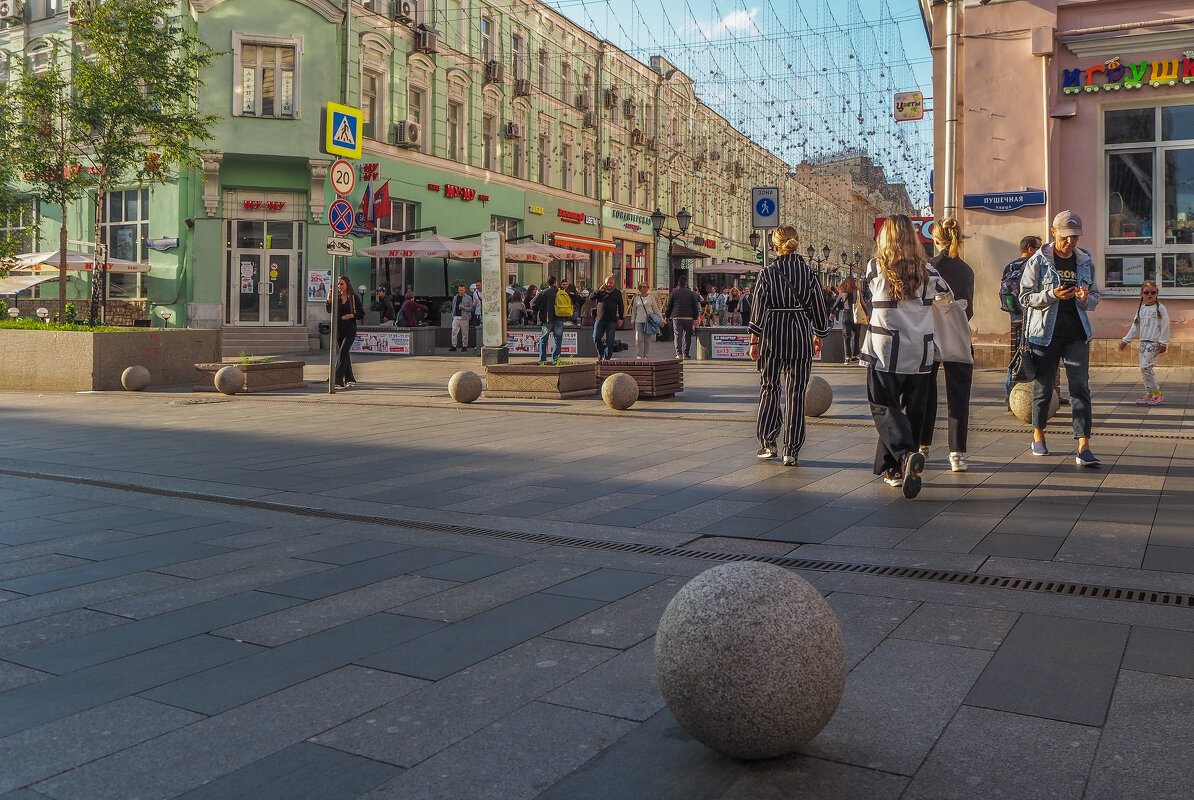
pixel 464 386
pixel 818 396
pixel 750 659
pixel 1020 402
pixel 230 379
pixel 135 378
pixel 619 391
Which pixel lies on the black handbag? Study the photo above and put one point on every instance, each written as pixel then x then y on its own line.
pixel 1022 367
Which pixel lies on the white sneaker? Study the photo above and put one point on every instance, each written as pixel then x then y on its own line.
pixel 957 462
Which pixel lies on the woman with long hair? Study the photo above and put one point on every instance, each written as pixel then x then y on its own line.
pixel 959 375
pixel 898 348
pixel 349 310
pixel 789 307
pixel 850 295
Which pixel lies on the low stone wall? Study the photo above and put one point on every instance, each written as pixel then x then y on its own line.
pixel 547 382
pixel 80 361
pixel 268 377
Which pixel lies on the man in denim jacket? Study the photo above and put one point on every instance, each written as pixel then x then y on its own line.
pixel 1057 291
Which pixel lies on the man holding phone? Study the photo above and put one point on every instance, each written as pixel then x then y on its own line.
pixel 1057 290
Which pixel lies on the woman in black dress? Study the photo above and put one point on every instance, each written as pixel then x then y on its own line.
pixel 349 310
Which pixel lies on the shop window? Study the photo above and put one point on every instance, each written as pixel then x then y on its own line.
pixel 123 227
pixel 507 226
pixel 396 273
pixel 266 75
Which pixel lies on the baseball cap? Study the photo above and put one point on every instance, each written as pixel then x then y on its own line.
pixel 1067 223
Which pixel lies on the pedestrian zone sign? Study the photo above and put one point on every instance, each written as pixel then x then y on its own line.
pixel 342 130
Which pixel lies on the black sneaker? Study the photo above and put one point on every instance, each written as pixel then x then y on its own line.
pixel 914 464
pixel 451 349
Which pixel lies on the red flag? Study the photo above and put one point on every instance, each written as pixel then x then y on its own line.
pixel 381 202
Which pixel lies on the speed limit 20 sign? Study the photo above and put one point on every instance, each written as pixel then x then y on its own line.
pixel 344 177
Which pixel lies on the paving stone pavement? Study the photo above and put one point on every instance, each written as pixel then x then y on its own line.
pixel 383 594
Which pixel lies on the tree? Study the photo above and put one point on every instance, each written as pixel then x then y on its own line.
pixel 136 77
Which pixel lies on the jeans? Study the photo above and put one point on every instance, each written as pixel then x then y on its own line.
pixel 1075 355
pixel 682 329
pixel 606 331
pixel 555 328
pixel 851 337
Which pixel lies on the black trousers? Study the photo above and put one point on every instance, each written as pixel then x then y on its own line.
pixel 898 408
pixel 958 379
pixel 344 361
pixel 682 329
pixel 851 336
pixel 793 375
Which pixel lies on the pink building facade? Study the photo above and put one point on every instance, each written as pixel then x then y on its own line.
pixel 1085 105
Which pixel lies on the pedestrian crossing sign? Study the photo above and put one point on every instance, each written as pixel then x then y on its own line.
pixel 342 130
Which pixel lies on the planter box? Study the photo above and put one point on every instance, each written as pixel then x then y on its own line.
pixel 258 377
pixel 81 361
pixel 656 377
pixel 534 382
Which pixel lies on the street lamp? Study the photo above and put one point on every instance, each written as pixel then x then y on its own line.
pixel 44 313
pixel 14 312
pixel 754 239
pixel 657 220
pixel 812 256
pixel 165 314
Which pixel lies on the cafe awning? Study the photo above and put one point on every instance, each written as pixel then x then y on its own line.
pixel 583 242
pixel 680 251
pixel 728 267
pixel 19 283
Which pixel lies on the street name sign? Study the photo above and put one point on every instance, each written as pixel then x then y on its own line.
pixel 1003 201
pixel 764 205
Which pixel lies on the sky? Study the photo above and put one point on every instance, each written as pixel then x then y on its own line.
pixel 807 79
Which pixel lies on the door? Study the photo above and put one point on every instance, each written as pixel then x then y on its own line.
pixel 263 288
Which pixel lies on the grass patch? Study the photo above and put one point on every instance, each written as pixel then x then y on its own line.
pixel 38 325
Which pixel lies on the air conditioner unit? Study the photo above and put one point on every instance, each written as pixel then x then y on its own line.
pixel 637 138
pixel 513 130
pixel 495 72
pixel 628 107
pixel 426 39
pixel 652 144
pixel 643 176
pixel 405 10
pixel 14 9
pixel 522 87
pixel 582 101
pixel 408 133
pixel 611 98
pixel 590 119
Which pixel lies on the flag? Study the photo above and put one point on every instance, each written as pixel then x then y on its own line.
pixel 367 206
pixel 381 202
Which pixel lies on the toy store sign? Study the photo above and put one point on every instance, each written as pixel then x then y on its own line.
pixel 575 217
pixel 1113 75
pixel 466 193
pixel 627 220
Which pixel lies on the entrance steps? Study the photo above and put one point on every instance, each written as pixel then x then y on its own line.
pixel 264 341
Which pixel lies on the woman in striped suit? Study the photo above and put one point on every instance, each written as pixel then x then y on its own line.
pixel 898 349
pixel 789 305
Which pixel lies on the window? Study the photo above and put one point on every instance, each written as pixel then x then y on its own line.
pixel 566 167
pixel 267 76
pixel 372 124
pixel 455 146
pixel 20 224
pixel 566 81
pixel 124 224
pixel 396 273
pixel 590 175
pixel 544 161
pixel 1149 224
pixel 454 26
pixel 518 55
pixel 488 43
pixel 518 166
pixel 507 226
pixel 544 68
pixel 489 142
pixel 416 102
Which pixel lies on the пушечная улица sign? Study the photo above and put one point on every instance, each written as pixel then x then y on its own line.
pixel 1003 201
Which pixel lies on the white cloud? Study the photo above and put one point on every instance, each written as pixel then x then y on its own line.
pixel 736 22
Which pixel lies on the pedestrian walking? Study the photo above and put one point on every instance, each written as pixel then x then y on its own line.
pixel 789 307
pixel 1057 292
pixel 609 313
pixel 551 315
pixel 462 315
pixel 898 349
pixel 644 315
pixel 1152 324
pixel 349 310
pixel 744 305
pixel 959 375
pixel 683 308
pixel 1009 299
pixel 853 317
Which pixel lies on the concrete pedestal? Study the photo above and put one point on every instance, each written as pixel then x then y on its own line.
pixel 494 355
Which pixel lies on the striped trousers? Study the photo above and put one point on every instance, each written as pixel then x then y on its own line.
pixel 792 377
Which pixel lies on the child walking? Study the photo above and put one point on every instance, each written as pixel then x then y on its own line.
pixel 1152 324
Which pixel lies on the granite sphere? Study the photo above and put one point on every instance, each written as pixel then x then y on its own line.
pixel 230 379
pixel 818 396
pixel 1020 402
pixel 619 391
pixel 464 386
pixel 750 659
pixel 135 378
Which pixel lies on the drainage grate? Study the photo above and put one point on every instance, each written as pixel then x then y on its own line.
pixel 1149 596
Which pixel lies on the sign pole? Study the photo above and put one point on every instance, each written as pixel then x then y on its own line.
pixel 334 297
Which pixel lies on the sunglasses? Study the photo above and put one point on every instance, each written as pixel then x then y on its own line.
pixel 1149 292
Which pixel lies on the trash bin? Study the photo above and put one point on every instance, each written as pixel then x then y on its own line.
pixel 325 335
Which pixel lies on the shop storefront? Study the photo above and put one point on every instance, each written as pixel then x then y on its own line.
pixel 634 247
pixel 573 226
pixel 264 258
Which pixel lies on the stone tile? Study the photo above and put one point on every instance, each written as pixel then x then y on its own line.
pixel 521 756
pixel 10 570
pixel 1007 755
pixel 657 760
pixel 293 546
pixel 187 758
pixel 731 544
pixel 803 778
pixel 960 626
pixel 145 543
pixel 818 525
pixel 470 568
pixel 112 568
pixel 415 727
pixel 740 526
pixel 37 703
pixel 700 515
pixel 605 584
pixel 354 552
pixel 353 576
pixel 951 532
pixel 23 794
pixel 870 536
pixel 450 649
pixel 38 753
pixel 896 703
pixel 1115 544
pixel 1015 545
pixel 135 637
pixel 306 619
pixel 1144 750
pixel 622 687
pixel 866 621
pixel 228 685
pixel 1062 669
pixel 22 609
pixel 623 623
pixel 14 675
pixel 303 771
pixel 1169 559
pixel 629 517
pixel 1165 652
pixel 54 628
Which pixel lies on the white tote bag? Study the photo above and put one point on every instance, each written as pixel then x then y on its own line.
pixel 951 334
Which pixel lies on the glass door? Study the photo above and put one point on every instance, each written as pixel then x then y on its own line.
pixel 266 269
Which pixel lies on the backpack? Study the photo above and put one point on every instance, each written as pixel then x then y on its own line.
pixel 563 304
pixel 1009 286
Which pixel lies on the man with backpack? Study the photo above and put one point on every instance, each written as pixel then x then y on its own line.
pixel 1009 296
pixel 552 306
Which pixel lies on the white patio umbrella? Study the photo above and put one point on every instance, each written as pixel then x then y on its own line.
pixel 30 263
pixel 527 252
pixel 424 247
pixel 561 253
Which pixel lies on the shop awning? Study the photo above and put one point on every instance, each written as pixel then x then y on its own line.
pixel 728 267
pixel 583 242
pixel 680 251
pixel 19 283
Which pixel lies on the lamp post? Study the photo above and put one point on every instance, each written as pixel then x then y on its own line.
pixel 812 256
pixel 44 313
pixel 657 220
pixel 165 314
pixel 14 312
